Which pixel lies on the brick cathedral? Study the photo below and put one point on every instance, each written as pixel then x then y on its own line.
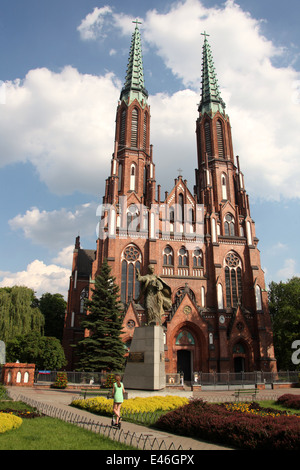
pixel 202 242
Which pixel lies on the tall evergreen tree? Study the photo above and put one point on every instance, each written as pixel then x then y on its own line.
pixel 103 349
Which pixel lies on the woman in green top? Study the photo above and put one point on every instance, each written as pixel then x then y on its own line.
pixel 118 394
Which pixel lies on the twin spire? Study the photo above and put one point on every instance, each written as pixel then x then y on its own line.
pixel 134 87
pixel 211 100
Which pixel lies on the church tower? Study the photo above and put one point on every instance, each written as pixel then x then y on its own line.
pixel 202 243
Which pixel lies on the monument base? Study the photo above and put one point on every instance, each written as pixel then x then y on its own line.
pixel 145 368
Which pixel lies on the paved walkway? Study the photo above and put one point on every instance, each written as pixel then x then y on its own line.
pixel 139 436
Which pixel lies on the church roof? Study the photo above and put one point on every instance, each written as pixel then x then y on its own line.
pixel 211 100
pixel 134 82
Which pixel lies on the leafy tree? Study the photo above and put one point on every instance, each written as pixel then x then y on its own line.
pixel 53 307
pixel 19 314
pixel 45 352
pixel 284 305
pixel 103 349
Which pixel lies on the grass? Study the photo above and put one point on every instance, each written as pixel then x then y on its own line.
pixel 45 433
pixel 53 434
pixel 273 404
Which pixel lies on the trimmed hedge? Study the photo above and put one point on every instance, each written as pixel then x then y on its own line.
pixel 236 429
pixel 289 401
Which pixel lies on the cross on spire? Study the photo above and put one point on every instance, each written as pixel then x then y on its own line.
pixel 205 34
pixel 137 22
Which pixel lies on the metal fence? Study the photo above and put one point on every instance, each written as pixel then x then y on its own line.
pixel 244 378
pixel 216 379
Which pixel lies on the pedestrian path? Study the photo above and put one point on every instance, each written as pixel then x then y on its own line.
pixel 136 435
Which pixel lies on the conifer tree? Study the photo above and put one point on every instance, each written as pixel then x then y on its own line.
pixel 103 349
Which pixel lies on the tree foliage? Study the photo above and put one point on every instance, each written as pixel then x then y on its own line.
pixel 103 349
pixel 284 305
pixel 19 313
pixel 43 351
pixel 53 307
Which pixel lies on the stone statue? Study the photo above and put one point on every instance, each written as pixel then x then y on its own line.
pixel 157 295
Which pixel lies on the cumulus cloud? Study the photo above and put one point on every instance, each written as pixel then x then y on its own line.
pixel 63 123
pixel 39 277
pixel 54 229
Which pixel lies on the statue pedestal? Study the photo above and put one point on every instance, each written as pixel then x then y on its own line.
pixel 145 368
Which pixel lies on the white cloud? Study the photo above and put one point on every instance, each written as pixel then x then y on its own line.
pixel 91 27
pixel 288 271
pixel 260 97
pixel 39 277
pixel 65 257
pixel 63 123
pixel 55 229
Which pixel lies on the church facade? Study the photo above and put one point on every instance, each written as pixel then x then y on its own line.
pixel 201 242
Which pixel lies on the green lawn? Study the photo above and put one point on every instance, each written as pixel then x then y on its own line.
pixel 53 434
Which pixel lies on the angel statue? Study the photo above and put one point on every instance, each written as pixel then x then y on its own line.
pixel 157 295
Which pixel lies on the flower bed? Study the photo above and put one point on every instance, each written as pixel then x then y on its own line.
pixel 289 401
pixel 235 428
pixel 9 422
pixel 103 406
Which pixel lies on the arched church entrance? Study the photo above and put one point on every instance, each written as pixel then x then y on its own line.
pixel 185 346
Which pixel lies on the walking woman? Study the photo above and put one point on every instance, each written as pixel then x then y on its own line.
pixel 118 395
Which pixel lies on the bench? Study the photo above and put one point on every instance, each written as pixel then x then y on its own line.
pixel 242 391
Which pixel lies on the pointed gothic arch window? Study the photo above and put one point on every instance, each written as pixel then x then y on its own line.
pixel 258 298
pixel 229 225
pixel 207 132
pixel 130 259
pixel 224 186
pixel 168 256
pixel 197 258
pixel 134 128
pixel 233 279
pixel 181 208
pixel 83 297
pixel 220 139
pixel 132 177
pixel 122 128
pixel 183 257
pixel 145 131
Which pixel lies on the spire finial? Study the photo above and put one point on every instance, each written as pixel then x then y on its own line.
pixel 136 22
pixel 205 34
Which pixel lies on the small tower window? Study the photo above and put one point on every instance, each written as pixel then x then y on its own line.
pixel 207 132
pixel 224 187
pixel 132 177
pixel 134 128
pixel 145 131
pixel 220 139
pixel 229 228
pixel 122 127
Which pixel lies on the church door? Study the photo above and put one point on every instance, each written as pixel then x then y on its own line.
pixel 184 363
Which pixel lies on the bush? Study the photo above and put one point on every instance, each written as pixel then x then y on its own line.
pixel 61 380
pixel 289 401
pixel 236 429
pixel 9 422
pixel 103 406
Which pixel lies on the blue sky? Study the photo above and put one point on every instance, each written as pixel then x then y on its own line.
pixel 63 65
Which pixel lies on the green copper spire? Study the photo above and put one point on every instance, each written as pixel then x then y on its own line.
pixel 134 82
pixel 211 100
